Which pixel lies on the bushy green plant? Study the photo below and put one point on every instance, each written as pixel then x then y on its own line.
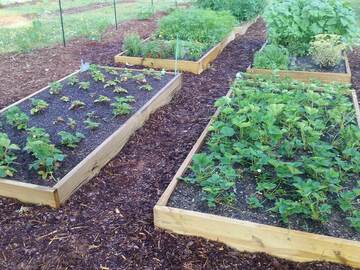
pixel 326 50
pixel 294 23
pixel 55 88
pixel 205 26
pixel 299 143
pixel 272 57
pixel 70 140
pixel 243 10
pixel 157 49
pixel 38 105
pixel 16 118
pixel 132 44
pixel 7 157
pixel 121 105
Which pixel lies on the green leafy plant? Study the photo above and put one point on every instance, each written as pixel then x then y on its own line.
pixel 70 140
pixel 7 156
pixel 242 10
pixel 120 90
pixel 76 104
pixel 65 98
pixel 16 118
pixel 90 124
pixel 272 57
pixel 55 88
pixel 110 83
pixel 294 23
pixel 84 86
pixel 146 87
pixel 132 44
pixel 71 123
pixel 73 80
pixel 37 134
pixel 47 157
pixel 96 74
pixel 122 106
pixel 102 99
pixel 38 105
pixel 326 50
pixel 157 49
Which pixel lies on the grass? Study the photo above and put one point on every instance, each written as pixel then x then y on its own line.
pixel 45 30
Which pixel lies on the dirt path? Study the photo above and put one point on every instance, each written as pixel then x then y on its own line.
pixel 109 223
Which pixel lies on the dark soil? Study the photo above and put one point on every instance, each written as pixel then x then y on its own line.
pixel 109 221
pixel 305 63
pixel 102 113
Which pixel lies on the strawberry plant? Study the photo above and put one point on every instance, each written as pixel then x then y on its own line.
pixel 76 104
pixel 38 105
pixel 73 80
pixel 90 124
pixel 109 83
pixel 120 90
pixel 84 86
pixel 102 99
pixel 122 106
pixel 96 74
pixel 65 98
pixel 7 156
pixel 299 143
pixel 16 118
pixel 55 88
pixel 70 140
pixel 71 123
pixel 146 87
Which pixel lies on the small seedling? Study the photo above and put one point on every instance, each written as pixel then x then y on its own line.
pixel 84 86
pixel 90 124
pixel 65 99
pixel 109 84
pixel 96 74
pixel 76 104
pixel 139 78
pixel 111 71
pixel 38 105
pixel 59 119
pixel 146 87
pixel 120 90
pixel 70 140
pixel 16 118
pixel 71 123
pixel 55 88
pixel 73 80
pixel 157 75
pixel 122 106
pixel 102 99
pixel 7 157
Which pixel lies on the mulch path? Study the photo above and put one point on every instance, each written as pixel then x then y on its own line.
pixel 354 59
pixel 108 223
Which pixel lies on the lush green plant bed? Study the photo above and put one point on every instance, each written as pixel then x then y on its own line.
pixel 45 137
pixel 279 153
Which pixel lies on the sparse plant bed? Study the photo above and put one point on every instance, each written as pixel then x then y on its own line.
pixel 276 171
pixel 186 40
pixel 51 144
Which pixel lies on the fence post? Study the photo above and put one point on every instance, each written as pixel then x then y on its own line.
pixel 116 22
pixel 62 23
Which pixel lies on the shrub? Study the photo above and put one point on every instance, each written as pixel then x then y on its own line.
pixel 326 50
pixel 205 26
pixel 157 49
pixel 132 44
pixel 272 57
pixel 243 10
pixel 294 23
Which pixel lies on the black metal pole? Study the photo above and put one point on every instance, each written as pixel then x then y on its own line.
pixel 116 22
pixel 62 23
pixel 152 7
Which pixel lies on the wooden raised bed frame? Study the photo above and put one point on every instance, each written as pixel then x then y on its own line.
pixel 196 67
pixel 307 76
pixel 250 236
pixel 92 164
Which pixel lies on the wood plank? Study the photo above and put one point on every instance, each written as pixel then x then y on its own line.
pixel 248 236
pixel 93 163
pixel 254 237
pixel 356 106
pixel 28 193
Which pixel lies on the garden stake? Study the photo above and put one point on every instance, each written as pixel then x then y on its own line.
pixel 176 53
pixel 62 23
pixel 115 15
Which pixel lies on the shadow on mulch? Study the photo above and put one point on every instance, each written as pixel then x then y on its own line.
pixel 109 221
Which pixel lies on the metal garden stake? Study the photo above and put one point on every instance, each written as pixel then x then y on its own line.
pixel 62 23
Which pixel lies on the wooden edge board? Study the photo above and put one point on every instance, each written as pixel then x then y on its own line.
pixel 356 105
pixel 249 236
pixel 28 193
pixel 196 67
pixel 93 163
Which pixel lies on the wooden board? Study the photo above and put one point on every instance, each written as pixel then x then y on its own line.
pixel 196 67
pixel 307 76
pixel 249 236
pixel 92 164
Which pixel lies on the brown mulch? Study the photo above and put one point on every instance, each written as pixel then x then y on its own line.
pixel 23 74
pixel 109 221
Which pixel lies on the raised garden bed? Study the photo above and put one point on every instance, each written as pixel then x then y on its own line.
pixel 301 69
pixel 181 209
pixel 101 107
pixel 196 67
